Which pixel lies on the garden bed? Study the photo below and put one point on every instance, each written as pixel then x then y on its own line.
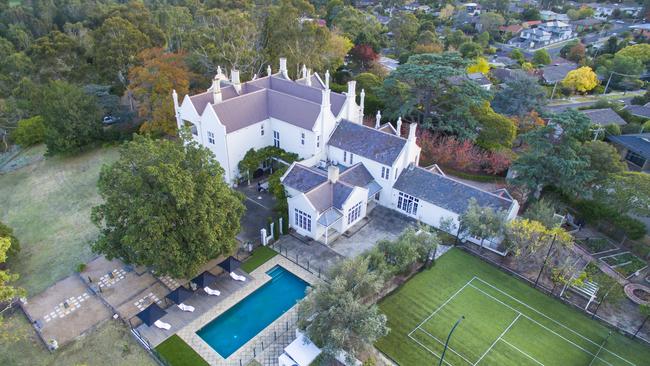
pixel 596 245
pixel 625 263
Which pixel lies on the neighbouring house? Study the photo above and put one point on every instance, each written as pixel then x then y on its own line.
pixel 604 117
pixel 641 111
pixel 472 9
pixel 512 30
pixel 345 167
pixel 641 29
pixel 389 64
pixel 543 35
pixel 555 73
pixel 635 149
pixel 476 77
pixel 548 15
pixel 531 24
pixel 604 11
pixel 502 75
pixel 501 61
pixel 586 25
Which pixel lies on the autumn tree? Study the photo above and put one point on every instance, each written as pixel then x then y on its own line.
pixel 150 84
pixel 581 80
pixel 576 53
pixel 529 240
pixel 364 55
pixel 166 206
pixel 480 65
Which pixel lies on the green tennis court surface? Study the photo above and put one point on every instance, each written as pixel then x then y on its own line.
pixel 506 322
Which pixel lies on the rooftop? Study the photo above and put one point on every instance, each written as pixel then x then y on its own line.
pixel 639 110
pixel 554 73
pixel 639 143
pixel 368 142
pixel 604 117
pixel 445 192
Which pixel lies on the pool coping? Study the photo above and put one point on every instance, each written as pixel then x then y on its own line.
pixel 258 279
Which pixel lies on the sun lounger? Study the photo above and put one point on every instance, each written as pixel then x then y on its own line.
pixel 162 325
pixel 184 307
pixel 212 292
pixel 237 277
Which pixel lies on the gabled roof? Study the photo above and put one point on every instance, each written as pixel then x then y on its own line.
pixel 446 192
pixel 368 142
pixel 388 128
pixel 554 73
pixel 604 117
pixel 639 110
pixel 302 178
pixel 638 143
pixel 329 195
pixel 356 175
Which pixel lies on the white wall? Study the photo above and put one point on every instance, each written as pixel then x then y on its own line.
pixel 301 203
pixel 359 194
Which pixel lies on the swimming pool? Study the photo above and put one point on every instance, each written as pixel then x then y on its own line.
pixel 239 324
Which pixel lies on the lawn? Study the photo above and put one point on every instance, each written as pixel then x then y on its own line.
pixel 47 202
pixel 109 344
pixel 506 322
pixel 177 353
pixel 259 256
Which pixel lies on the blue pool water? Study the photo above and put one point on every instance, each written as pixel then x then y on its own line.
pixel 239 324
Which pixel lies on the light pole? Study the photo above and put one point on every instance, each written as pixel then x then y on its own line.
pixel 442 357
pixel 545 259
pixel 611 73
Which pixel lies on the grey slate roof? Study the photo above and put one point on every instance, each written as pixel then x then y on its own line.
pixel 554 73
pixel 639 110
pixel 604 117
pixel 445 192
pixel 364 141
pixel 303 178
pixel 639 143
pixel 356 175
pixel 479 78
pixel 329 217
pixel 329 195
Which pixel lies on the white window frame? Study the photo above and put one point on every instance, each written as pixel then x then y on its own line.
pixel 345 156
pixel 408 203
pixel 318 141
pixel 351 158
pixel 302 220
pixel 385 173
pixel 302 138
pixel 262 129
pixel 354 213
pixel 211 137
pixel 276 138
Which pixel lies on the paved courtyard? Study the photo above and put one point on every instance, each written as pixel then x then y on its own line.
pixel 259 209
pixel 65 311
pixel 382 224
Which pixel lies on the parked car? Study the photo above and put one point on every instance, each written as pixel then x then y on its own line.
pixel 109 120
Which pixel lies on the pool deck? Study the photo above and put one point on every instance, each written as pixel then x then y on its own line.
pixel 252 348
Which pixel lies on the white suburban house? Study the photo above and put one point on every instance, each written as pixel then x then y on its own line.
pixel 346 168
pixel 545 34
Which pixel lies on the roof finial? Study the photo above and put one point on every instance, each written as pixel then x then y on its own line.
pixel 378 119
pixel 268 70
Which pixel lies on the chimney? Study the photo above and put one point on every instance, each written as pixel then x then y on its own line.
pixel 412 128
pixel 362 102
pixel 175 98
pixel 283 67
pixel 325 100
pixel 308 78
pixel 220 74
pixel 303 74
pixel 327 79
pixel 268 70
pixel 378 119
pixel 216 90
pixel 399 126
pixel 332 173
pixel 234 79
pixel 352 89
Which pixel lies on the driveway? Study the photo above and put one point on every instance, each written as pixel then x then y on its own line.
pixel 259 210
pixel 383 224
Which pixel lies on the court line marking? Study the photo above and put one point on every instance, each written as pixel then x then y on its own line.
pixel 497 340
pixel 522 352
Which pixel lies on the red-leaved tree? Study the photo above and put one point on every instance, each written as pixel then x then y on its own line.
pixel 364 55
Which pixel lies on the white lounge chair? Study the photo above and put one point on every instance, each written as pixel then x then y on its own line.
pixel 237 277
pixel 162 325
pixel 188 308
pixel 212 292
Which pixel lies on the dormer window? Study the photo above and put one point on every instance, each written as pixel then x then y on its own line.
pixel 262 130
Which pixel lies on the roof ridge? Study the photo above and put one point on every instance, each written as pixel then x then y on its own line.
pixel 374 129
pixel 239 97
pixel 292 96
pixel 306 86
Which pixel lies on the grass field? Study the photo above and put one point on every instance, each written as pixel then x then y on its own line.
pixel 109 344
pixel 47 202
pixel 177 353
pixel 506 322
pixel 259 256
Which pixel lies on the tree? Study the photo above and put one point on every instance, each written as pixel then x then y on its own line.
pixel 626 192
pixel 116 44
pixel 166 206
pixel 14 243
pixel 517 55
pixel 521 95
pixel 639 52
pixel 424 89
pixel 405 30
pixel 7 291
pixel 481 65
pixel 358 26
pixel 410 247
pixel 576 53
pixel 72 118
pixel 58 56
pixel 604 160
pixel 482 222
pixel 542 211
pixel 541 57
pixel 555 148
pixel 150 85
pixel 529 240
pixel 491 21
pixel 364 55
pixel 582 79
pixel 367 81
pixel 29 131
pixel 470 50
pixel 483 39
pixel 335 315
pixel 496 131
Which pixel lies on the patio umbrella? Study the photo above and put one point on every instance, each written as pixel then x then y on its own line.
pixel 179 295
pixel 230 264
pixel 151 314
pixel 204 279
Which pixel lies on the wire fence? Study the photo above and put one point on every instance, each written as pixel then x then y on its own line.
pixel 304 262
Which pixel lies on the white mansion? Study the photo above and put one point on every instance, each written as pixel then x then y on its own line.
pixel 345 165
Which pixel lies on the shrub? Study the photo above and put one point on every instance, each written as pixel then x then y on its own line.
pixel 29 131
pixel 613 130
pixel 81 267
pixel 605 216
pixel 633 228
pixel 631 128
